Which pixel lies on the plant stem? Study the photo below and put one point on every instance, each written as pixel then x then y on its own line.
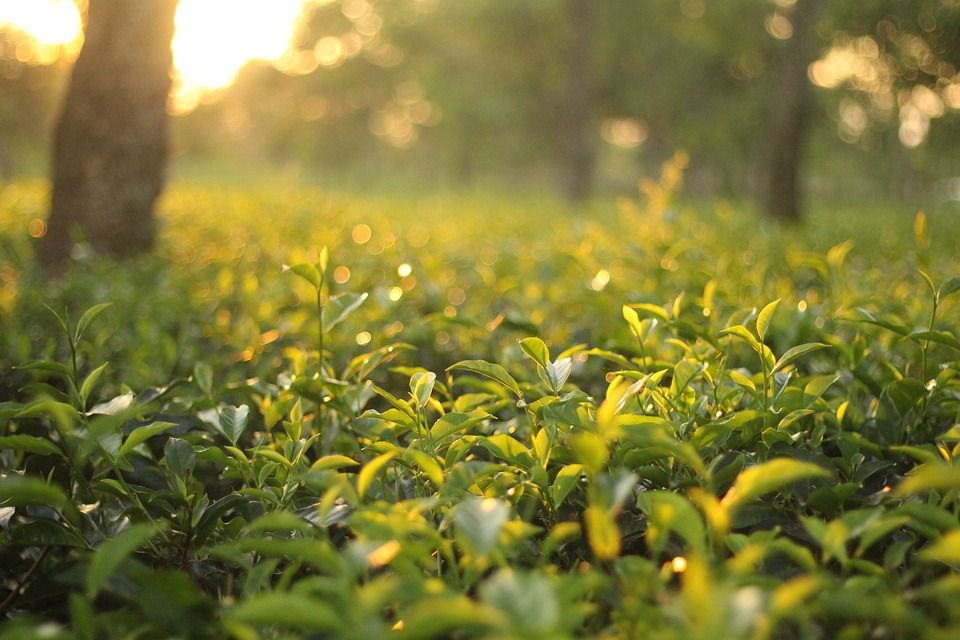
pixel 320 327
pixel 22 582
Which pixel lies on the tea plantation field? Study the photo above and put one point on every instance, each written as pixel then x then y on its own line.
pixel 326 416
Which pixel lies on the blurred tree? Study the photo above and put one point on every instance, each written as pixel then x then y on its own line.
pixel 110 148
pixel 578 106
pixel 789 117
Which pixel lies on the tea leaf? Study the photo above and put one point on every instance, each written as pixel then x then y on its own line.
pixel 493 371
pixel 930 477
pixel 30 444
pixel 945 550
pixel 88 317
pixel 203 376
pixel 602 533
pixel 566 479
pixel 111 554
pixel 286 611
pixel 769 476
pixel 306 271
pixel 793 353
pixel 90 383
pixel 334 461
pixel 949 287
pixel 764 317
pixel 536 350
pixel 19 491
pixel 371 470
pixel 142 434
pixel 232 421
pixel 478 523
pixel 339 307
pixel 421 387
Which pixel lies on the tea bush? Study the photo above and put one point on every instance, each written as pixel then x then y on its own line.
pixel 481 419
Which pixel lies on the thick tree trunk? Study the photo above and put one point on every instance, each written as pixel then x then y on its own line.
pixel 110 149
pixel 577 113
pixel 790 117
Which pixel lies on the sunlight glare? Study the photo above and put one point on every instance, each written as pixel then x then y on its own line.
pixel 215 38
pixel 54 22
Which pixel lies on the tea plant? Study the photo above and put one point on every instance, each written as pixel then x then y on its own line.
pixel 630 427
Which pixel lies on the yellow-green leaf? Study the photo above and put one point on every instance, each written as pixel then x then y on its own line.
pixel 371 470
pixel 772 475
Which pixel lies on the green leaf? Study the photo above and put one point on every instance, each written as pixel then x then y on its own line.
pixel 323 259
pixel 286 611
pixel 396 403
pixel 306 271
pixel 740 331
pixel 763 478
pixel 19 491
pixel 478 523
pixel 203 376
pixel 90 383
pixel 61 321
pixel 633 319
pixel 795 352
pixel 817 387
pixel 339 307
pixel 685 372
pixel 602 533
pixel 945 550
pixel 141 434
pixel 114 406
pixel 764 317
pixel 904 394
pixel 421 387
pixel 567 478
pixel 557 373
pixel 507 448
pixel 427 464
pixel 590 449
pixel 669 512
pixel 446 616
pixel 179 455
pixel 930 477
pixel 928 281
pixel 537 350
pixel 452 423
pixel 370 471
pixel 890 326
pixel 30 444
pixel 651 309
pixel 940 337
pixel 89 316
pixel 334 461
pixel 232 421
pixel 741 380
pixel 949 287
pixel 489 370
pixel 111 554
pixel 82 617
pixel 528 598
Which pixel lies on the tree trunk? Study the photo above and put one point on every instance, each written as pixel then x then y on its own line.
pixel 790 117
pixel 110 148
pixel 578 108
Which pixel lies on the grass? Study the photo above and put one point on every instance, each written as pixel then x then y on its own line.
pixel 638 419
